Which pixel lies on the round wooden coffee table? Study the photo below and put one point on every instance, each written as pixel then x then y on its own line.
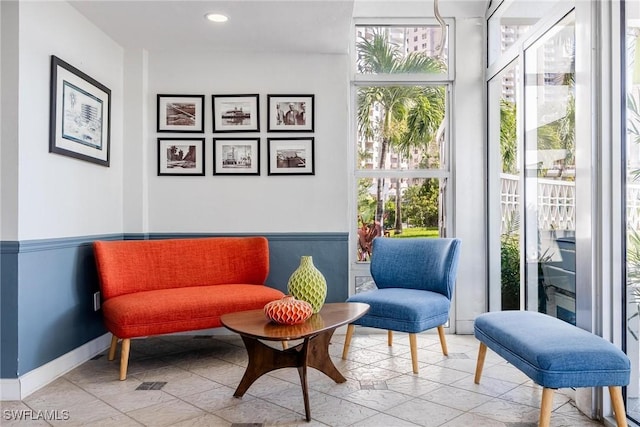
pixel 316 333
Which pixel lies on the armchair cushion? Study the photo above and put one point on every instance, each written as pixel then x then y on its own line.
pixel 403 310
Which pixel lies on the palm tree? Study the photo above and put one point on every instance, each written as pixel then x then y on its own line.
pixel 409 115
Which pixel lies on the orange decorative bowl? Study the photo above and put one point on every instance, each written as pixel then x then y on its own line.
pixel 288 310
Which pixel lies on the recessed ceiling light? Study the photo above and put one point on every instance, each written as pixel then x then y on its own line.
pixel 216 17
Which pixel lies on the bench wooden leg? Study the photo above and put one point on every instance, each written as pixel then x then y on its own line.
pixel 113 348
pixel 545 407
pixel 413 343
pixel 443 340
pixel 618 405
pixel 389 338
pixel 347 341
pixel 482 353
pixel 124 358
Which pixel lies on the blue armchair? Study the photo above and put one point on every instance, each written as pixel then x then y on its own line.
pixel 415 278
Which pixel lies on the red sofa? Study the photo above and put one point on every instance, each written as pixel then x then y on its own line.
pixel 153 287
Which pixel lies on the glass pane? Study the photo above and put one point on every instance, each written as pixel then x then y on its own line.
pixel 504 89
pixel 510 23
pixel 401 50
pixel 633 203
pixel 550 172
pixel 401 127
pixel 419 214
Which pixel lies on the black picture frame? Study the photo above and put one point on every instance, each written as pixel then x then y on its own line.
pixel 291 113
pixel 291 156
pixel 180 113
pixel 181 157
pixel 236 113
pixel 236 156
pixel 80 115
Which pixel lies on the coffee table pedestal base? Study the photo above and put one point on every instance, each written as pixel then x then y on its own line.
pixel 312 352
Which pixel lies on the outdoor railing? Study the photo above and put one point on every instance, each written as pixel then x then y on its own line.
pixel 556 203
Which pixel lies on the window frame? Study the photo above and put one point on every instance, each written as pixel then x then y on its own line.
pixel 357 268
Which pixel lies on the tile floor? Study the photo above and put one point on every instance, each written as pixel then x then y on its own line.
pixel 183 380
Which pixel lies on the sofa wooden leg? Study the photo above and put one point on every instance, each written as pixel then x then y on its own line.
pixel 113 348
pixel 482 353
pixel 413 343
pixel 124 358
pixel 443 340
pixel 347 341
pixel 389 338
pixel 618 405
pixel 545 407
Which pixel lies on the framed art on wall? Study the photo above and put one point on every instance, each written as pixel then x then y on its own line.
pixel 291 156
pixel 290 113
pixel 236 156
pixel 236 113
pixel 80 114
pixel 180 156
pixel 181 113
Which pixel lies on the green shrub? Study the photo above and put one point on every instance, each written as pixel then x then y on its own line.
pixel 510 272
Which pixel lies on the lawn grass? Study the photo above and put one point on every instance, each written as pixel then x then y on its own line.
pixel 416 232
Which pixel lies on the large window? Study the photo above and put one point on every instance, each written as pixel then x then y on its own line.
pixel 532 166
pixel 401 153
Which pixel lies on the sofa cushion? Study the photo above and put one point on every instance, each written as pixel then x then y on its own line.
pixel 181 309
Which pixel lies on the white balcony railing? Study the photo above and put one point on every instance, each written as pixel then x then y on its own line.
pixel 556 203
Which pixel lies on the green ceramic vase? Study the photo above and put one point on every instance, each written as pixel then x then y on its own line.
pixel 308 284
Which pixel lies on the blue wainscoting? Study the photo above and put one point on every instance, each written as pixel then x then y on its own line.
pixel 9 309
pixel 47 287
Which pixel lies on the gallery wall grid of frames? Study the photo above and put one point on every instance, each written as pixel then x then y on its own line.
pixel 235 155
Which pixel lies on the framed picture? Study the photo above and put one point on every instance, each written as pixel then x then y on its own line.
pixel 236 156
pixel 291 156
pixel 180 156
pixel 290 113
pixel 80 114
pixel 181 113
pixel 236 113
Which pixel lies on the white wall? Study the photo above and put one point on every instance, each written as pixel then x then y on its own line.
pixel 469 159
pixel 9 121
pixel 137 128
pixel 245 204
pixel 60 196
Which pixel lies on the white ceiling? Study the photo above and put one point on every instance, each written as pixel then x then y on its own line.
pixel 294 26
pixel 254 25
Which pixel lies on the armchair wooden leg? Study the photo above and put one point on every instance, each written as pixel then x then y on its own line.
pixel 482 353
pixel 413 343
pixel 545 407
pixel 113 348
pixel 389 338
pixel 347 341
pixel 285 345
pixel 618 406
pixel 443 340
pixel 124 358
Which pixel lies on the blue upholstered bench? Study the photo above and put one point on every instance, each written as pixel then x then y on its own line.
pixel 554 354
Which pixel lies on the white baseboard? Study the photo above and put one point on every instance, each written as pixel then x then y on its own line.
pixel 18 389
